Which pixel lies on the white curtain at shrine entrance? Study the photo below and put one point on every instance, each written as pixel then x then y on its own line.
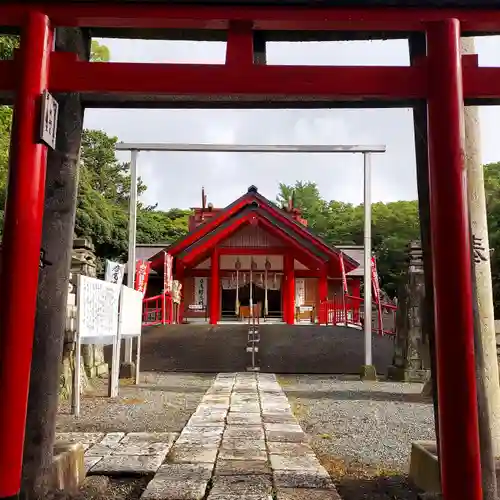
pixel 273 281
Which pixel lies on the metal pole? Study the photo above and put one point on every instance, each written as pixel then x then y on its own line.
pixel 367 257
pixel 132 230
pixel 251 148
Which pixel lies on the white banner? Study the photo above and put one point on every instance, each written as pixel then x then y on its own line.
pixel 97 313
pixel 114 272
pixel 200 291
pixel 168 272
pixel 300 292
pixel 130 312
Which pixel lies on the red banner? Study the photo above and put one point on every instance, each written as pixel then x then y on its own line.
pixel 167 272
pixel 141 275
pixel 376 295
pixel 375 284
pixel 344 277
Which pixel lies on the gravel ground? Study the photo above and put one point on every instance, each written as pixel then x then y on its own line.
pixel 162 402
pixel 105 488
pixel 362 431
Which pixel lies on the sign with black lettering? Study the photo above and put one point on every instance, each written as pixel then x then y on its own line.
pixel 48 120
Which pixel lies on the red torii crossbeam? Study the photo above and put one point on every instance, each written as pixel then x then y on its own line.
pixel 443 78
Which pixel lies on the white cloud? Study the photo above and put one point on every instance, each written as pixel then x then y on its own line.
pixel 175 179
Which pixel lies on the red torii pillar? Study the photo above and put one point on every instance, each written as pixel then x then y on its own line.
pixel 451 244
pixel 289 289
pixel 356 292
pixel 323 296
pixel 21 248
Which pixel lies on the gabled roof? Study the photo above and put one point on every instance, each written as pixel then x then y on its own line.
pixel 253 214
pixel 264 210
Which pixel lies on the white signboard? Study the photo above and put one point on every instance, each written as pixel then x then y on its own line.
pixel 97 318
pixel 114 272
pixel 130 312
pixel 200 291
pixel 300 292
pixel 129 326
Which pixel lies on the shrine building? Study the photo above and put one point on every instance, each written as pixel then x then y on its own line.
pixel 254 253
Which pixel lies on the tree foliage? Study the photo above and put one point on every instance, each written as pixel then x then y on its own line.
pixel 394 225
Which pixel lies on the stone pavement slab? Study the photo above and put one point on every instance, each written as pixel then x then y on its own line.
pixel 241 467
pixel 179 482
pixel 127 465
pixel 242 443
pixel 244 432
pixel 186 453
pixel 242 485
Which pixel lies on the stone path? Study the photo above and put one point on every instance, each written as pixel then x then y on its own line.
pixel 242 442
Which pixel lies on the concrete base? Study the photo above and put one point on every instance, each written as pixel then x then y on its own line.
pixel 68 469
pixel 428 390
pixel 401 374
pixel 127 370
pixel 424 467
pixel 368 372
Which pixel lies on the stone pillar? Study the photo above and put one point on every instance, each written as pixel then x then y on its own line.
pixel 479 228
pixel 411 361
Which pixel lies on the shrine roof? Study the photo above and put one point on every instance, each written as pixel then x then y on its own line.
pixel 264 208
pixel 250 210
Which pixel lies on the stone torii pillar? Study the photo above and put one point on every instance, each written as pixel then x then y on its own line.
pixel 479 228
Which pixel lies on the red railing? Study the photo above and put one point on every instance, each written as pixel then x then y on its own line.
pixel 348 310
pixel 161 310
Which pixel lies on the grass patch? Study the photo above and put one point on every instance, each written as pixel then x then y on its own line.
pixel 339 468
pixel 299 410
pixel 285 381
pixel 133 401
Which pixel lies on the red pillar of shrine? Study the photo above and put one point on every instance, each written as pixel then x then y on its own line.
pixel 322 296
pixel 356 292
pixel 451 259
pixel 21 248
pixel 289 274
pixel 214 288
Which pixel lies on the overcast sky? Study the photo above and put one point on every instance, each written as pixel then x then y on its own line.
pixel 175 179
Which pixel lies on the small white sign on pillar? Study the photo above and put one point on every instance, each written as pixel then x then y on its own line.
pixel 49 112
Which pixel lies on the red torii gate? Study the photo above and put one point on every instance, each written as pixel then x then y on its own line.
pixel 444 78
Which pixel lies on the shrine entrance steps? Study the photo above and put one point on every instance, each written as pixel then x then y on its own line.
pixel 241 442
pixel 300 349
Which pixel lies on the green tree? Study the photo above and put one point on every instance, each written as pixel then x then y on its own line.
pixel 99 53
pixel 492 192
pixel 103 202
pixel 394 225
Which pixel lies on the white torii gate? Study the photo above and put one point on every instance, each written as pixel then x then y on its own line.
pixel 366 151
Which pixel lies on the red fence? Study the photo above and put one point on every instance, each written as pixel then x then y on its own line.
pixel 161 310
pixel 348 310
